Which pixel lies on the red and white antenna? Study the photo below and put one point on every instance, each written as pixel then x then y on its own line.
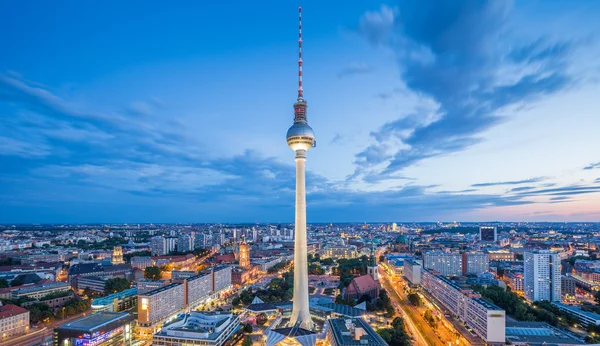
pixel 300 54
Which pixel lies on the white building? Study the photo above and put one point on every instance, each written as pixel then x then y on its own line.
pixel 541 277
pixel 446 264
pixel 412 271
pixel 198 288
pixel 14 320
pixel 198 328
pixel 475 263
pixel 156 306
pixel 486 319
pixel 340 251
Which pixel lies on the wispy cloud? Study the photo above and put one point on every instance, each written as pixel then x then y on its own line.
pixel 356 68
pixel 443 58
pixel 592 166
pixel 514 182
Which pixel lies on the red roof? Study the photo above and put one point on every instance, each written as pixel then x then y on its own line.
pixel 364 283
pixel 11 310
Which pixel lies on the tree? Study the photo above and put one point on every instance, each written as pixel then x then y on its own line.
pixel 115 285
pixel 153 273
pixel 237 301
pixel 247 341
pixel 261 319
pixel 414 299
pixel 3 283
pixel 248 328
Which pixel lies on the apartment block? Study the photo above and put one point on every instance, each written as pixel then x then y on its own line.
pixel 446 264
pixel 486 319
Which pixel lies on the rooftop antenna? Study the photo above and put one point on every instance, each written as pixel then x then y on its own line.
pixel 300 91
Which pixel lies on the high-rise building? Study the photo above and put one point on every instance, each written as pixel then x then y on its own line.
pixel 475 263
pixel 446 264
pixel 158 246
pixel 488 233
pixel 300 138
pixel 184 243
pixel 171 243
pixel 542 279
pixel 117 255
pixel 412 271
pixel 254 235
pixel 568 285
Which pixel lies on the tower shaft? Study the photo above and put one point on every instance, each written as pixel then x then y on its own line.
pixel 300 310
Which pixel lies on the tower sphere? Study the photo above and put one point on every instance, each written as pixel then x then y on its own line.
pixel 300 137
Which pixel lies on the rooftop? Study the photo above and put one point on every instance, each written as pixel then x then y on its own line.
pixel 11 310
pixel 538 333
pixel 97 321
pixel 345 332
pixel 98 302
pixel 42 287
pixel 162 289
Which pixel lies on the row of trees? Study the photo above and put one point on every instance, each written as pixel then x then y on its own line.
pixel 39 312
pixel 278 289
pixel 115 285
pixel 278 267
pixel 516 307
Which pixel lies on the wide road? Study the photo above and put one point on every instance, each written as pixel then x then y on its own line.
pixel 421 331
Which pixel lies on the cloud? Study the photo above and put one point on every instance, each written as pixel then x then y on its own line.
pixel 514 182
pixel 562 191
pixel 522 188
pixel 592 166
pixel 356 68
pixel 453 53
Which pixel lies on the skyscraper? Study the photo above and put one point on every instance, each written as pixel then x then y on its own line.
pixel 488 233
pixel 542 279
pixel 300 137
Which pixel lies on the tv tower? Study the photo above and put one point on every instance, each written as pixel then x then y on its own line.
pixel 300 137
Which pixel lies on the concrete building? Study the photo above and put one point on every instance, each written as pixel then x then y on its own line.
pixel 40 291
pixel 102 328
pixel 171 244
pixel 93 283
pixel 158 245
pixel 488 233
pixel 185 243
pixel 448 264
pixel 156 306
pixel 116 302
pixel 501 255
pixel 14 320
pixel 412 271
pixel 584 317
pixel 221 278
pixel 542 276
pixel 200 328
pixel 198 288
pixel 340 251
pixel 351 332
pixel 516 282
pixel 141 262
pixel 486 319
pixel 475 263
pixel 147 285
pixel 567 287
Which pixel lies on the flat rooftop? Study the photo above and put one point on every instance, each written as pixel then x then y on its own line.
pixel 97 321
pixel 538 333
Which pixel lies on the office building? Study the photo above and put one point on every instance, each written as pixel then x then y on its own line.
pixel 475 263
pixel 92 283
pixel 412 271
pixel 200 328
pixel 448 264
pixel 340 251
pixel 584 317
pixel 14 320
pixel 542 276
pixel 352 332
pixel 141 262
pixel 102 328
pixel 501 255
pixel 41 291
pixel 156 306
pixel 488 233
pixel 116 302
pixel 486 319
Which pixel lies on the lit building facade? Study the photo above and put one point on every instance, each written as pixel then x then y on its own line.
pixel 200 328
pixel 486 319
pixel 475 263
pixel 156 306
pixel 447 264
pixel 412 271
pixel 14 320
pixel 340 251
pixel 117 255
pixel 102 328
pixel 542 278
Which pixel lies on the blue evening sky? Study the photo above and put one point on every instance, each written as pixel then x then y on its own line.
pixel 150 111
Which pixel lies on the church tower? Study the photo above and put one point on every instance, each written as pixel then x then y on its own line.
pixel 372 267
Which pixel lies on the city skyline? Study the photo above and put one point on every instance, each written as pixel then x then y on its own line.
pixel 178 117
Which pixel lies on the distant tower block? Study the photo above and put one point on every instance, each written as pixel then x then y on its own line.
pixel 117 255
pixel 245 255
pixel 300 138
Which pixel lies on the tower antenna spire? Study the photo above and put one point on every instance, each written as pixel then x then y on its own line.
pixel 300 90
